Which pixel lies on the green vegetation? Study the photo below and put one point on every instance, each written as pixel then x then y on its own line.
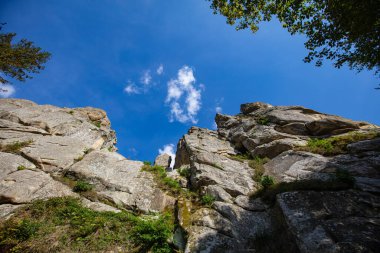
pixel 82 186
pixel 184 172
pixel 345 32
pixel 18 60
pixel 241 157
pixel 96 123
pixel 64 225
pixel 268 194
pixel 71 112
pixel 152 233
pixel 162 179
pixel 257 164
pixel 147 163
pixel 262 120
pixel 266 181
pixel 21 167
pixel 207 200
pixel 79 158
pixel 15 147
pixel 337 144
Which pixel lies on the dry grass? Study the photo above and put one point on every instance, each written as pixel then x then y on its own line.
pixel 337 144
pixel 15 147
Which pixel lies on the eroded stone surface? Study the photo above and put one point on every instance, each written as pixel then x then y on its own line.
pixel 24 186
pixel 121 181
pixel 322 225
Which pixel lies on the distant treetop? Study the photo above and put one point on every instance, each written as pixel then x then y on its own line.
pixel 344 31
pixel 19 60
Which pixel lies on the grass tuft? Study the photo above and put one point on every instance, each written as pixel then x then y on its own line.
pixel 337 144
pixel 15 147
pixel 82 186
pixel 207 200
pixel 241 157
pixel 257 164
pixel 184 172
pixel 21 167
pixel 262 120
pixel 266 181
pixel 162 179
pixel 64 225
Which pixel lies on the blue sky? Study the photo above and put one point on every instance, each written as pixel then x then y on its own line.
pixel 107 54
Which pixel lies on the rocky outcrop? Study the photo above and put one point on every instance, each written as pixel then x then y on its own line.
pixel 45 150
pixel 163 160
pixel 270 179
pixel 315 220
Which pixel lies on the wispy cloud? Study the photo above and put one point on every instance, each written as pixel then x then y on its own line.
pixel 184 86
pixel 168 149
pixel 146 78
pixel 131 88
pixel 6 90
pixel 218 109
pixel 160 70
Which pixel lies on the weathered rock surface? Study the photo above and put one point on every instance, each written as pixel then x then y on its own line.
pixel 42 143
pixel 308 221
pixel 44 147
pixel 121 181
pixel 163 160
pixel 344 221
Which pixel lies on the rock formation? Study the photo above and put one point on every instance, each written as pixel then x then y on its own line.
pixel 270 179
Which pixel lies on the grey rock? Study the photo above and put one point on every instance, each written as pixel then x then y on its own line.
pixel 363 146
pixel 218 193
pixel 331 125
pixel 274 148
pixel 121 181
pixel 25 186
pixel 10 163
pixel 163 160
pixel 250 204
pixel 209 162
pixel 251 107
pixel 320 225
pixel 296 165
pixel 7 210
pixel 55 153
pixel 295 128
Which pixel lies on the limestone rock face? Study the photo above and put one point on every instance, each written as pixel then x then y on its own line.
pixel 44 146
pixel 239 220
pixel 163 160
pixel 125 184
pixel 325 197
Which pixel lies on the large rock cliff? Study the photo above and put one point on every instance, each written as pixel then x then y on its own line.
pixel 270 179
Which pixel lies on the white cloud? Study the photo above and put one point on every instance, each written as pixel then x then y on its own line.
pixel 6 90
pixel 160 70
pixel 168 149
pixel 146 78
pixel 218 109
pixel 183 85
pixel 131 88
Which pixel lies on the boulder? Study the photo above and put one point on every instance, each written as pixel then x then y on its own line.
pixel 320 225
pixel 25 186
pixel 163 160
pixel 251 107
pixel 121 181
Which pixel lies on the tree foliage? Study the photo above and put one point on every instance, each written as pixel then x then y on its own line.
pixel 344 31
pixel 19 60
